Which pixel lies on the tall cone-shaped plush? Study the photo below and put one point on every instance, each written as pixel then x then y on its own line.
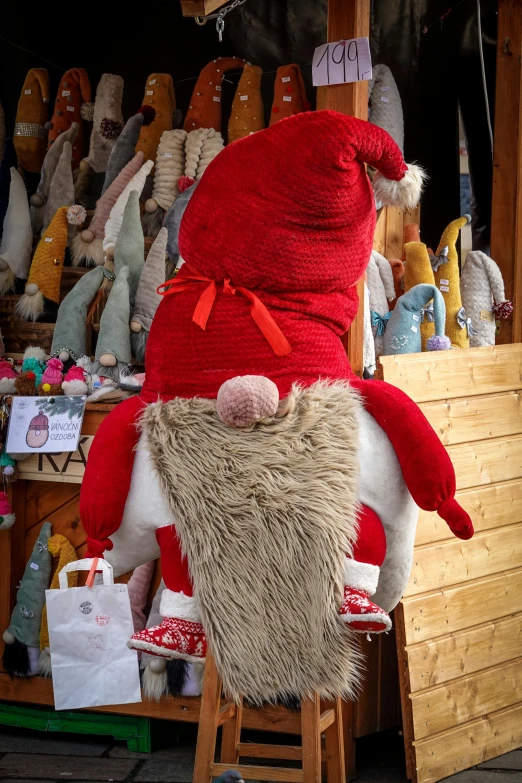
pixel 22 637
pixel 17 238
pixel 30 132
pixel 384 104
pixel 70 331
pixel 447 280
pixel 147 299
pixel 247 114
pixel 39 199
pixel 289 93
pixel 172 222
pixel 418 269
pixel 483 297
pixel 113 224
pixel 59 547
pixel 123 149
pixel 397 267
pixel 201 147
pixel 113 349
pixel 379 279
pixel 42 290
pixel 159 94
pixel 107 121
pixel 73 104
pixel 130 246
pixel 402 334
pixel 170 166
pixel 61 192
pixel 410 233
pixel 205 105
pixel 87 247
pixel 9 161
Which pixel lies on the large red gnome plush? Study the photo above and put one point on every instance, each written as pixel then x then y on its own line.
pixel 265 466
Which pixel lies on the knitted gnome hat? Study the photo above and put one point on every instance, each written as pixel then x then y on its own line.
pixel 447 279
pixel 152 276
pixel 72 105
pixel 123 149
pixel 159 93
pixel 53 372
pixel 9 161
pixel 403 334
pixel 17 238
pixel 70 331
pixel 107 121
pixel 115 219
pixel 384 104
pixel 130 246
pixel 205 105
pixel 114 336
pixel 289 93
pixel 172 221
pixel 61 192
pixel 247 114
pixel 483 297
pixel 30 132
pixel 286 244
pixel 39 199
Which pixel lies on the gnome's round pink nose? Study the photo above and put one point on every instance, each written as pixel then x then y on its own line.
pixel 245 399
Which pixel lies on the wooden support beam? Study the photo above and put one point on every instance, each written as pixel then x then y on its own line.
pixel 349 19
pixel 506 213
pixel 201 7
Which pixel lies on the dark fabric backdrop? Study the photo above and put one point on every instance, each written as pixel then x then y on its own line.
pixel 435 70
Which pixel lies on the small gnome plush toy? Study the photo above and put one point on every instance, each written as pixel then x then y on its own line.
pixel 7 377
pixel 248 333
pixel 107 121
pixel 403 333
pixel 70 331
pixel 447 280
pixel 51 378
pixel 34 361
pixel 159 94
pixel 170 166
pixel 379 279
pixel 384 104
pixel 289 93
pixel 73 104
pixel 74 381
pixel 8 162
pixel 113 349
pixel 7 518
pixel 247 114
pixel 483 297
pixel 61 192
pixel 123 149
pixel 205 105
pixel 59 547
pixel 147 299
pixel 17 238
pixel 30 133
pixel 22 638
pixel 115 219
pixel 39 199
pixel 418 270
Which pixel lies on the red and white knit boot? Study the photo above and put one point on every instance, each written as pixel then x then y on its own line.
pixel 181 633
pixel 361 574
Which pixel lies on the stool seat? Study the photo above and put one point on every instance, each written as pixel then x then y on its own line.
pixel 321 737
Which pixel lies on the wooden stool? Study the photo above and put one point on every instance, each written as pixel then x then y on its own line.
pixel 315 724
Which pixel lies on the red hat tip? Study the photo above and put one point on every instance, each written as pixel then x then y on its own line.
pixel 148 114
pixel 184 183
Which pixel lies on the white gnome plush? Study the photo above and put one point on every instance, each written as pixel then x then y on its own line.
pixel 483 297
pixel 379 278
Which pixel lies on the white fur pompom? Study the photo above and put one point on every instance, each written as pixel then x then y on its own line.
pixel 405 193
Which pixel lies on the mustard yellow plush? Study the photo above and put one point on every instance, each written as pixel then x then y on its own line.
pixel 418 269
pixel 447 280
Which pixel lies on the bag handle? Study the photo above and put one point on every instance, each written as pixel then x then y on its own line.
pixel 86 565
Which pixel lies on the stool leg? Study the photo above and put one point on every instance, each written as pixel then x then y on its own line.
pixel 230 737
pixel 311 739
pixel 208 720
pixel 348 710
pixel 334 746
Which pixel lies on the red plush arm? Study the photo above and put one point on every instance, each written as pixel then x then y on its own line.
pixel 107 477
pixel 425 464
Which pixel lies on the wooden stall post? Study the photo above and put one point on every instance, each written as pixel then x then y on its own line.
pixel 349 19
pixel 506 212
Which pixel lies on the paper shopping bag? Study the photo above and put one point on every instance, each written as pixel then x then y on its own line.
pixel 88 632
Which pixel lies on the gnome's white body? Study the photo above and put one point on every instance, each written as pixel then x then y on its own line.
pixel 379 279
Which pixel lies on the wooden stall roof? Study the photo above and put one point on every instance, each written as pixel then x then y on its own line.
pixel 459 626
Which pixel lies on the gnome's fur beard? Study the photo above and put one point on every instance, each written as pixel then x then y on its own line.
pixel 87 253
pixel 113 373
pixel 265 518
pixel 7 281
pixel 37 308
pixel 138 344
pixel 152 222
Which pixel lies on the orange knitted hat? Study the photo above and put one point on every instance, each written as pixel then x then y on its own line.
pixel 159 93
pixel 247 114
pixel 289 93
pixel 73 103
pixel 30 132
pixel 205 105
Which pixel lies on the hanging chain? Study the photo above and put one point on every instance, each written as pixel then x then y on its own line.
pixel 219 17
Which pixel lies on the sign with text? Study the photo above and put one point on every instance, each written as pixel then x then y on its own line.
pixel 342 62
pixel 67 466
pixel 45 425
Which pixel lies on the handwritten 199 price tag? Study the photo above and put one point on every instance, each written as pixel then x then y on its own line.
pixel 342 62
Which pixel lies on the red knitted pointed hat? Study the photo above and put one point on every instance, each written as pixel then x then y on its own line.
pixel 277 233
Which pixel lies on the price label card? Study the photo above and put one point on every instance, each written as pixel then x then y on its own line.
pixel 45 424
pixel 342 62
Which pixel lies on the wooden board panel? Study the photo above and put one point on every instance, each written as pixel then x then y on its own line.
pixel 453 609
pixel 64 520
pixel 487 461
pixel 462 748
pixel 51 498
pixel 475 418
pixel 475 371
pixel 394 232
pixel 463 653
pixel 456 561
pixel 65 467
pixel 379 237
pixel 460 701
pixel 489 507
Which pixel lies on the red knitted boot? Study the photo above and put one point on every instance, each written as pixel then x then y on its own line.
pixel 361 574
pixel 181 633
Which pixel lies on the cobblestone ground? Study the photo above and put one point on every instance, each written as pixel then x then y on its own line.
pixel 36 757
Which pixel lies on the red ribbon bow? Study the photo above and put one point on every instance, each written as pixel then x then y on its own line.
pixel 185 280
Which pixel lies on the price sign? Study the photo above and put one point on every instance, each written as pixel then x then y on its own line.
pixel 342 62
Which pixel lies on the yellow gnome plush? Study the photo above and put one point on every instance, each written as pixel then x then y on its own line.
pixel 59 546
pixel 30 132
pixel 247 114
pixel 42 290
pixel 447 280
pixel 418 269
pixel 159 93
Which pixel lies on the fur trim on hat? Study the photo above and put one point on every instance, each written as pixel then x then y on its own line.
pixel 184 607
pixel 361 576
pixel 405 193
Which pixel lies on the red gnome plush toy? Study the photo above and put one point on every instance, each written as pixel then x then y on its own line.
pixel 274 483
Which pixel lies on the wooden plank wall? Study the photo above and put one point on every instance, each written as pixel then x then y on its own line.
pixel 388 237
pixel 459 626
